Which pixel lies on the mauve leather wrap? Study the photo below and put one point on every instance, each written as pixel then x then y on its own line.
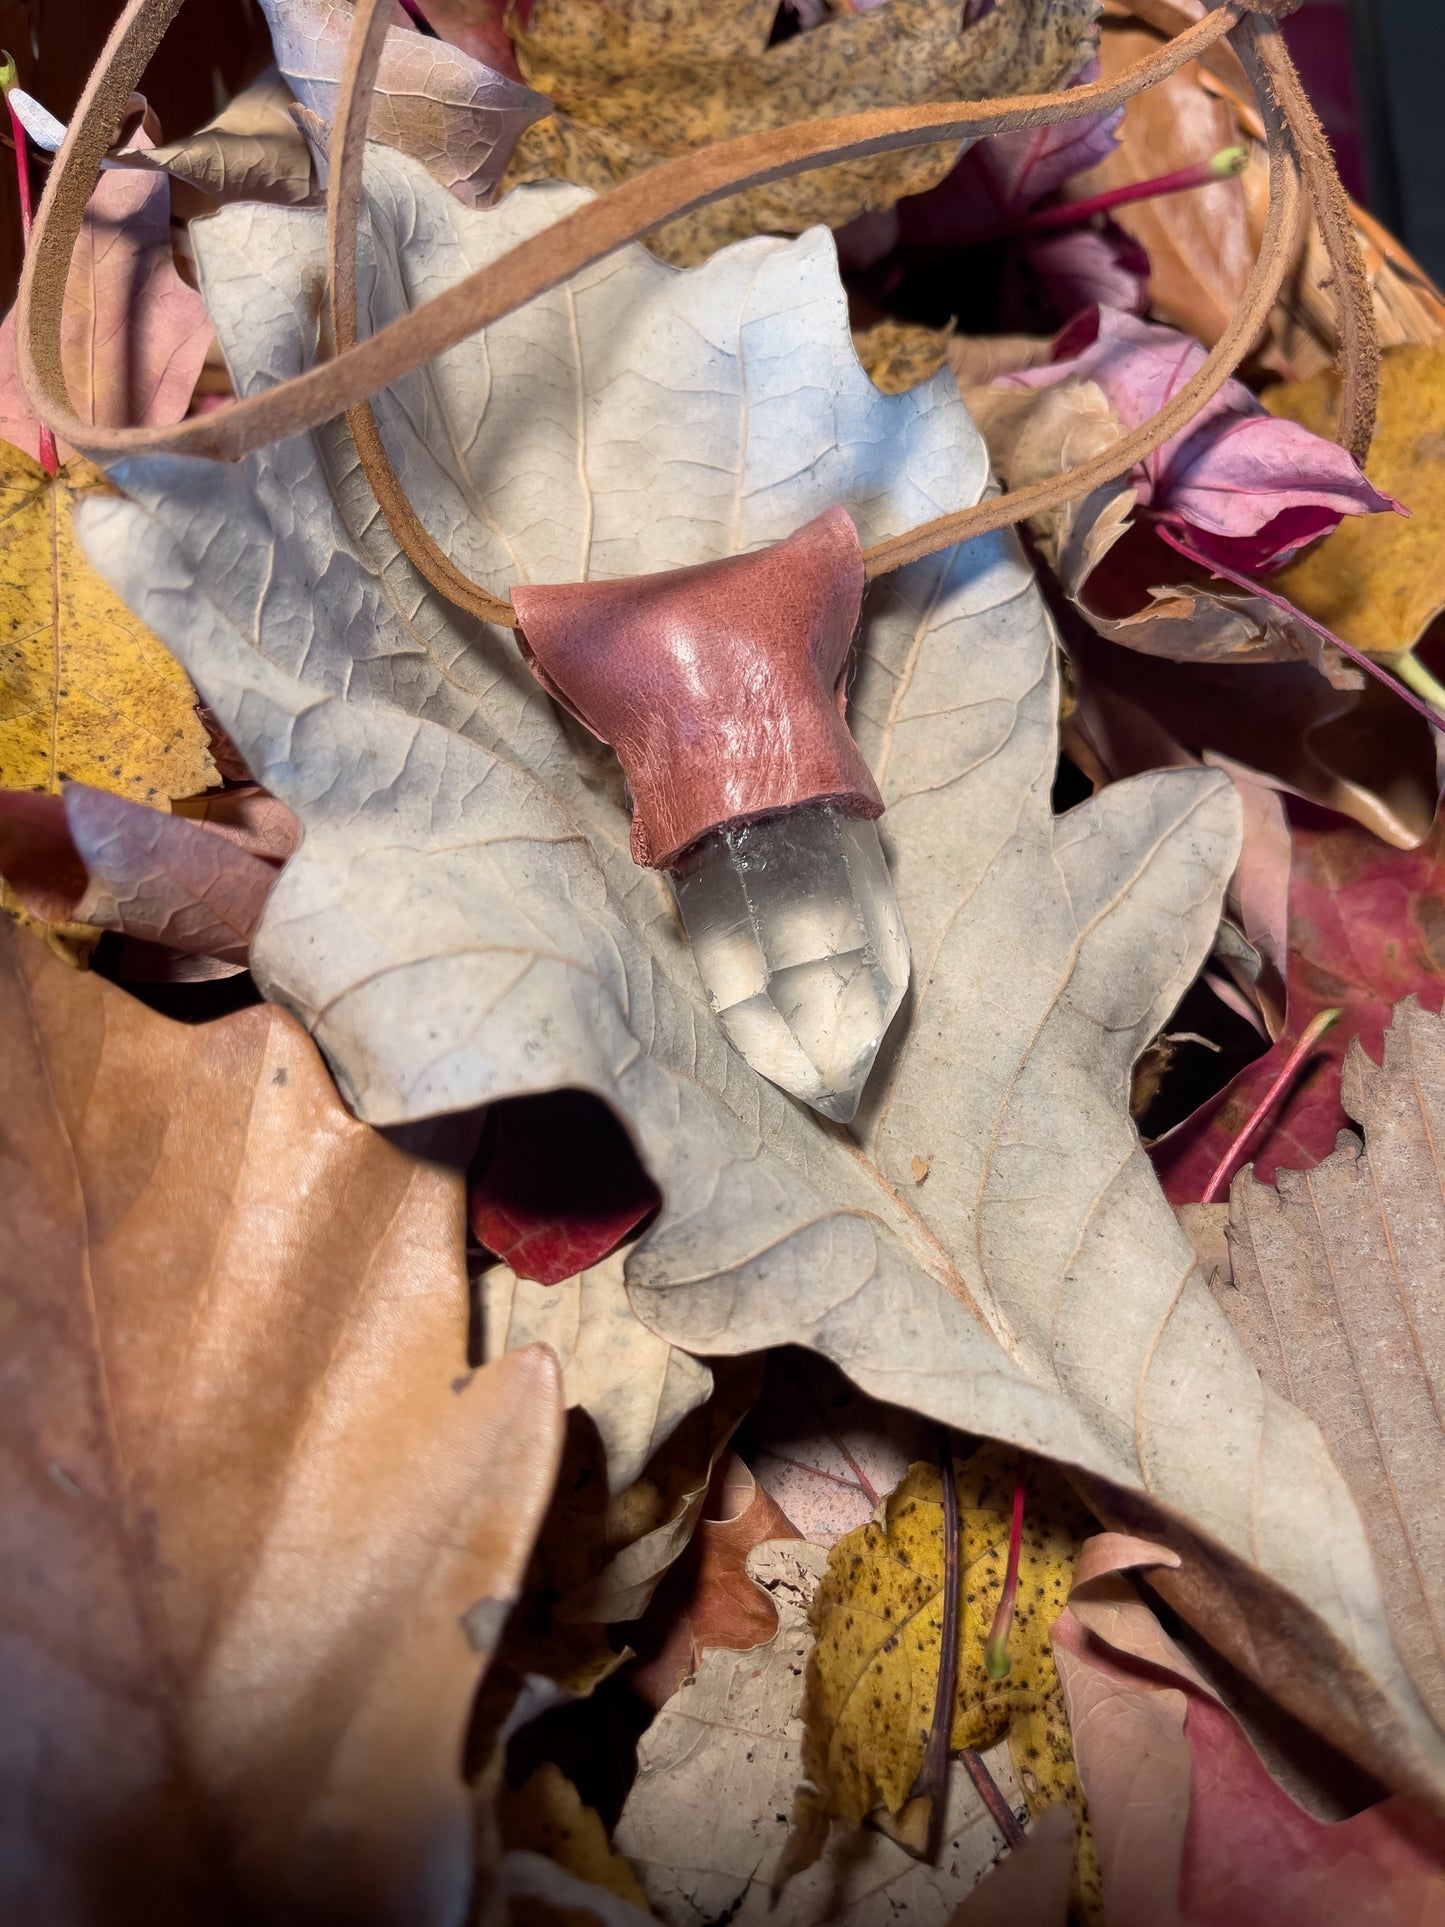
pixel 721 687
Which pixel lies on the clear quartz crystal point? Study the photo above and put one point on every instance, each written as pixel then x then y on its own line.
pixel 800 944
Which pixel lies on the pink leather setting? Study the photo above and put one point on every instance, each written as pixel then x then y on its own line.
pixel 721 687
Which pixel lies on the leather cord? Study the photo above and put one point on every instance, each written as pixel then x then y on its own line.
pixel 360 368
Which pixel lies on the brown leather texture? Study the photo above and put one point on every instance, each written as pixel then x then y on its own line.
pixel 721 687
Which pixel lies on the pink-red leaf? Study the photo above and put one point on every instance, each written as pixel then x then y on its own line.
pixel 133 336
pixel 1247 494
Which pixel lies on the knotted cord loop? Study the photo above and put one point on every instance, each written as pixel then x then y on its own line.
pixel 360 368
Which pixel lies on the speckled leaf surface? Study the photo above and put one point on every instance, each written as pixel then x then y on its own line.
pixel 463 922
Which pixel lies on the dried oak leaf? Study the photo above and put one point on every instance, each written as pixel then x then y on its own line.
pixel 1380 582
pixel 432 100
pixel 1366 928
pixel 249 1487
pixel 1193 1831
pixel 873 1674
pixel 1339 1297
pixel 635 84
pixel 463 922
pixel 706 1820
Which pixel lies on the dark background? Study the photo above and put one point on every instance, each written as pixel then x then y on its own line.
pixel 1375 69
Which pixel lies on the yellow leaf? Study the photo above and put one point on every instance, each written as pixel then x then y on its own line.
pixel 1379 580
pixel 638 82
pixel 873 1675
pixel 85 689
pixel 547 1816
pixel 900 354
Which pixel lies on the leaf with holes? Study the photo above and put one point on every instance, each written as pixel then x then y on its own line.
pixel 463 922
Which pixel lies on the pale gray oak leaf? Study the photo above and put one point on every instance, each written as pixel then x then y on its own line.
pixel 463 921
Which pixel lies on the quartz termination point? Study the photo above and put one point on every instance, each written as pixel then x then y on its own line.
pixel 800 946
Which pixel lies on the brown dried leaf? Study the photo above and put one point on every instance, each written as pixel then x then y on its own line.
pixel 1339 1296
pixel 249 1486
pixel 636 84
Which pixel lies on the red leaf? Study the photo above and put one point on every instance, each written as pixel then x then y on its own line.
pixel 1366 928
pixel 556 1185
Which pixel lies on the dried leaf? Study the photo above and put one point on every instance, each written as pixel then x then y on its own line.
pixel 827 1454
pixel 478 27
pixel 1366 928
pixel 900 354
pixel 1380 587
pixel 432 101
pixel 462 922
pixel 707 1818
pixel 1201 245
pixel 1337 1295
pixel 556 1185
pixel 546 1815
pixel 251 151
pixel 89 691
pixel 635 1387
pixel 1360 753
pixel 1192 1829
pixel 133 336
pixel 708 1599
pixel 634 85
pixel 1249 489
pixel 873 1675
pixel 93 857
pixel 249 1486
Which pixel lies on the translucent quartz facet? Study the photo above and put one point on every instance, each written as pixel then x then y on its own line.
pixel 800 944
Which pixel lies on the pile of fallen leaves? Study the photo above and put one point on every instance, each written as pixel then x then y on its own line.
pixel 474 1450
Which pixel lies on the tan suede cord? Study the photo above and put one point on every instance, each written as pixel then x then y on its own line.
pixel 359 369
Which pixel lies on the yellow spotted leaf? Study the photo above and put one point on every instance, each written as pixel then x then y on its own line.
pixel 546 1816
pixel 635 83
pixel 873 1674
pixel 1379 580
pixel 900 354
pixel 86 690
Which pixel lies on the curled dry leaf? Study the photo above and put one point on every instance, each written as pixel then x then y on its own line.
pixel 1360 753
pixel 633 86
pixel 1365 930
pixel 708 1598
pixel 636 1388
pixel 706 1821
pixel 1193 1831
pixel 1337 1294
pixel 462 922
pixel 95 858
pixel 252 150
pixel 545 1815
pixel 432 101
pixel 873 1674
pixel 235 1331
